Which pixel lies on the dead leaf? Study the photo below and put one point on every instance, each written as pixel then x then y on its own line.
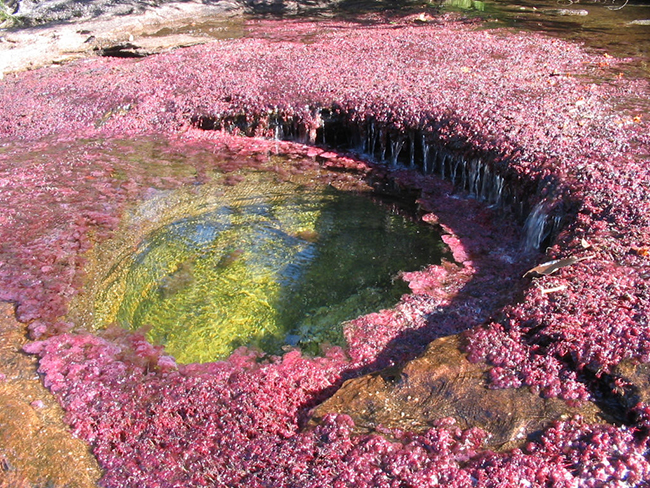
pixel 642 251
pixel 551 267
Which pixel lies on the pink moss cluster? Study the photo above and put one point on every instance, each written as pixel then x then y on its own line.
pixel 528 106
pixel 235 423
pixel 43 244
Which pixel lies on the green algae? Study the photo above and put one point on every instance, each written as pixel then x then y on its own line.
pixel 266 263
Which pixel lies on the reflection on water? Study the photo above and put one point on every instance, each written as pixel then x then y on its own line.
pixel 620 27
pixel 267 264
pixel 464 4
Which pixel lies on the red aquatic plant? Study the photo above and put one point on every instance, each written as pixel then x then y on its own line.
pixel 551 134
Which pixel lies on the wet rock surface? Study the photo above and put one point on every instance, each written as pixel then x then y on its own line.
pixel 34 12
pixel 144 32
pixel 630 381
pixel 37 448
pixel 443 387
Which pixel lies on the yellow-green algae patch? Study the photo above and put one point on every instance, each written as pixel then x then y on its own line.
pixel 256 259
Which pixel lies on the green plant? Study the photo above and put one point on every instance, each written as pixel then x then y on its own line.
pixel 6 17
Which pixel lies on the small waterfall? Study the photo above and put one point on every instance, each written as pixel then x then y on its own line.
pixel 360 136
pixel 497 190
pixel 372 139
pixel 443 164
pixel 454 169
pixel 275 126
pixel 484 192
pixel 319 124
pixel 473 177
pixel 535 228
pixel 395 148
pixel 463 174
pixel 431 156
pixel 425 156
pixel 412 150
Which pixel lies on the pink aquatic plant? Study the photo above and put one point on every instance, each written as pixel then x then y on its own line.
pixel 436 96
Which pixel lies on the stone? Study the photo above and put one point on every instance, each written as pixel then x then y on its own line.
pixel 567 12
pixel 142 33
pixel 630 381
pixel 441 385
pixel 37 448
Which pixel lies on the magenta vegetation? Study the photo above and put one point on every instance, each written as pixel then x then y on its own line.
pixel 529 129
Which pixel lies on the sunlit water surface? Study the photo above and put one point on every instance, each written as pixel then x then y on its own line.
pixel 266 262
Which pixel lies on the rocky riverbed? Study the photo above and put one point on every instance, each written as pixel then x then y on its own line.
pixel 522 149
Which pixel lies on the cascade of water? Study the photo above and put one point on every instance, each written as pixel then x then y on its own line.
pixel 303 133
pixel 556 225
pixel 311 135
pixel 286 129
pixel 372 139
pixel 319 124
pixel 434 157
pixel 425 156
pixel 484 183
pixel 395 148
pixel 463 174
pixel 535 228
pixel 382 144
pixel 473 176
pixel 455 162
pixel 323 132
pixel 359 137
pixel 497 190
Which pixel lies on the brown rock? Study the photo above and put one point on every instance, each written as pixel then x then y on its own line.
pixel 36 447
pixel 635 384
pixel 444 384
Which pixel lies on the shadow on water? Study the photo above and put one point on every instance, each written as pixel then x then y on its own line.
pixel 349 268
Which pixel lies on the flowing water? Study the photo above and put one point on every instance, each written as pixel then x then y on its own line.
pixel 619 27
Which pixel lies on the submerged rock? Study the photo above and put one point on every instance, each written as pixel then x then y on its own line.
pixel 630 381
pixel 443 388
pixel 566 12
